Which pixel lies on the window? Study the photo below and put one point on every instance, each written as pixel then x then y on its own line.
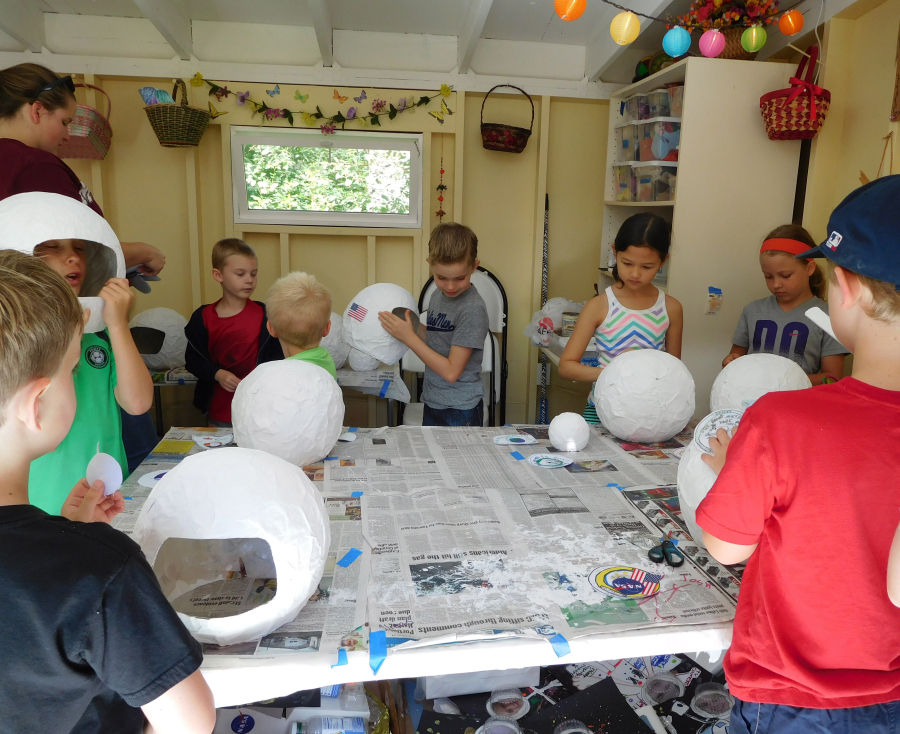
pixel 288 176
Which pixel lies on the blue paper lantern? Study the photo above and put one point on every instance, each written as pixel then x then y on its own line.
pixel 676 42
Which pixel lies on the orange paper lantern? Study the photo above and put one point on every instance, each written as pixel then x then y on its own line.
pixel 569 9
pixel 791 23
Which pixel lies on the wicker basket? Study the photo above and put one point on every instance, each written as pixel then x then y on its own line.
pixel 733 48
pixel 90 134
pixel 505 138
pixel 178 125
pixel 797 113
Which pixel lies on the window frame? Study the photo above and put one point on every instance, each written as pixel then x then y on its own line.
pixel 242 135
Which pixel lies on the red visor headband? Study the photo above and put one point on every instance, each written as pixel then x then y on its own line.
pixel 795 247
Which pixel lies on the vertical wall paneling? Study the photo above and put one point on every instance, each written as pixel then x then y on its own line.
pixel 458 158
pixel 427 208
pixel 98 102
pixel 191 155
pixel 285 251
pixel 370 260
pixel 227 182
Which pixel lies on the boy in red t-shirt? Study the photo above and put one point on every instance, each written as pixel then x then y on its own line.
pixel 228 338
pixel 809 497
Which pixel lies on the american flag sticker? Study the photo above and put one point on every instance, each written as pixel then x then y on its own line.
pixel 357 312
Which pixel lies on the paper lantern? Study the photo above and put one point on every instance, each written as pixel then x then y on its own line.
pixel 27 220
pixel 290 408
pixel 625 27
pixel 644 395
pixel 363 330
pixel 712 43
pixel 171 324
pixel 238 494
pixel 676 42
pixel 791 23
pixel 754 38
pixel 334 343
pixel 569 432
pixel 748 378
pixel 361 362
pixel 569 9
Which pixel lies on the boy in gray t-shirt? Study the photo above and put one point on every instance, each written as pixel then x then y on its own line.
pixel 452 343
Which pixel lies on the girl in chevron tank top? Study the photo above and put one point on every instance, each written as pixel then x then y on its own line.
pixel 632 313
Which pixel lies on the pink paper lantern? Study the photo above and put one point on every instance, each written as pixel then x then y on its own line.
pixel 712 43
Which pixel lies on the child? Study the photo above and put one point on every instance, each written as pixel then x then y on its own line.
pixel 299 310
pixel 452 344
pixel 228 338
pixel 809 495
pixel 796 286
pixel 632 313
pixel 87 634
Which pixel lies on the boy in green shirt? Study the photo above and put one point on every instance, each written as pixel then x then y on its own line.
pixel 299 312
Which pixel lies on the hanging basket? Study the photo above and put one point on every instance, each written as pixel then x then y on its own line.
pixel 505 138
pixel 799 112
pixel 733 48
pixel 178 125
pixel 90 133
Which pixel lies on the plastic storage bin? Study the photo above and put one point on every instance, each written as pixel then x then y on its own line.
pixel 659 141
pixel 676 100
pixel 624 183
pixel 655 183
pixel 627 138
pixel 658 100
pixel 637 108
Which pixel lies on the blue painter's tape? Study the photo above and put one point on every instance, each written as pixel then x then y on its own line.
pixel 617 486
pixel 352 430
pixel 516 455
pixel 715 291
pixel 384 388
pixel 377 650
pixel 351 556
pixel 560 645
pixel 332 458
pixel 128 498
pixel 342 658
pixel 356 494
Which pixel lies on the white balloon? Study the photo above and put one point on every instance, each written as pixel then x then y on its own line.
pixel 746 379
pixel 361 362
pixel 171 323
pixel 695 479
pixel 289 408
pixel 235 493
pixel 363 330
pixel 644 395
pixel 569 432
pixel 334 343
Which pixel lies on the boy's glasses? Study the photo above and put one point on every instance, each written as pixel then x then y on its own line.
pixel 62 81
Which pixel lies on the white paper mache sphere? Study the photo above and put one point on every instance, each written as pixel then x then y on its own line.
pixel 644 395
pixel 239 493
pixel 695 479
pixel 334 342
pixel 569 432
pixel 172 324
pixel 360 361
pixel 363 330
pixel 290 408
pixel 746 379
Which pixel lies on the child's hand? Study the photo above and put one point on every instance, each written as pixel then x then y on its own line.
pixel 719 446
pixel 227 380
pixel 118 297
pixel 398 328
pixel 86 503
pixel 729 359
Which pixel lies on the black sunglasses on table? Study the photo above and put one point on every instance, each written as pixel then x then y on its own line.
pixel 62 81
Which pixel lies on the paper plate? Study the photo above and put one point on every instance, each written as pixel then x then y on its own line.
pixel 214 441
pixel 707 428
pixel 549 461
pixel 625 582
pixel 150 479
pixel 523 439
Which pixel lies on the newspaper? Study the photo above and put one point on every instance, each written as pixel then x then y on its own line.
pixel 383 383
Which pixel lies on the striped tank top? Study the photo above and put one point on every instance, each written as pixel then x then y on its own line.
pixel 624 329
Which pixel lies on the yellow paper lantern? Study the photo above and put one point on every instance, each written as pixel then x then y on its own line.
pixel 754 38
pixel 791 23
pixel 569 9
pixel 625 27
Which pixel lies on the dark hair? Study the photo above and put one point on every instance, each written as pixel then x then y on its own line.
pixel 817 283
pixel 20 84
pixel 643 230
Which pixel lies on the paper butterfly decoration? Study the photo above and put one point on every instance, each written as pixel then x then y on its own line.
pixel 214 112
pixel 361 97
pixel 339 98
pixel 439 114
pixel 273 92
pixel 301 97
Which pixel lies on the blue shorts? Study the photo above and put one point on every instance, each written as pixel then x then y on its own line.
pixel 768 718
pixel 450 417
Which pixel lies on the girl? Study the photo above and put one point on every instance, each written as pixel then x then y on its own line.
pixel 778 324
pixel 632 313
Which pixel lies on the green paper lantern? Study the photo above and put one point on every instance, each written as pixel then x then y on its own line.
pixel 754 38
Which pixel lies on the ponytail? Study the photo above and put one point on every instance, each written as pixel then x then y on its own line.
pixel 22 84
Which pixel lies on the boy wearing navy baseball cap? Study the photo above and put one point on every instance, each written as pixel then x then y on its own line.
pixel 809 497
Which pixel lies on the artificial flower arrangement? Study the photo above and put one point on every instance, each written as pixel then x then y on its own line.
pixel 706 14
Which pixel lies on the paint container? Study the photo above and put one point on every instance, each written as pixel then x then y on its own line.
pixel 568 322
pixel 712 701
pixel 508 702
pixel 662 687
pixel 500 725
pixel 571 726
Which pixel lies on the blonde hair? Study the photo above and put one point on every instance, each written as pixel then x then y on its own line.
pixel 452 243
pixel 299 307
pixel 39 315
pixel 795 232
pixel 223 249
pixel 885 303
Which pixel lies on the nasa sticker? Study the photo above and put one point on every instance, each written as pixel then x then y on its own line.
pixel 548 461
pixel 150 479
pixel 242 723
pixel 214 441
pixel 522 439
pixel 709 426
pixel 625 582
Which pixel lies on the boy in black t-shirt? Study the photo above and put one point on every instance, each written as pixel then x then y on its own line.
pixel 86 634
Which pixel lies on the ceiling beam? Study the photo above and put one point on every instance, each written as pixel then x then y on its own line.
pixel 172 22
pixel 471 33
pixel 810 9
pixel 23 21
pixel 324 29
pixel 601 51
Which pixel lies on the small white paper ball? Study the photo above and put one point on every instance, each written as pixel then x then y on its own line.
pixel 172 324
pixel 695 479
pixel 290 408
pixel 361 362
pixel 644 395
pixel 569 432
pixel 363 330
pixel 238 493
pixel 334 343
pixel 748 378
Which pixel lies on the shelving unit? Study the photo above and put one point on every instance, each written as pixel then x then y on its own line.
pixel 734 185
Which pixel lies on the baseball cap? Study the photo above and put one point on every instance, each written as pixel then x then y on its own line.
pixel 864 232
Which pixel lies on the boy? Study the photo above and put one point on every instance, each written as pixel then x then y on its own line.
pixel 451 345
pixel 86 632
pixel 809 495
pixel 228 338
pixel 299 310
